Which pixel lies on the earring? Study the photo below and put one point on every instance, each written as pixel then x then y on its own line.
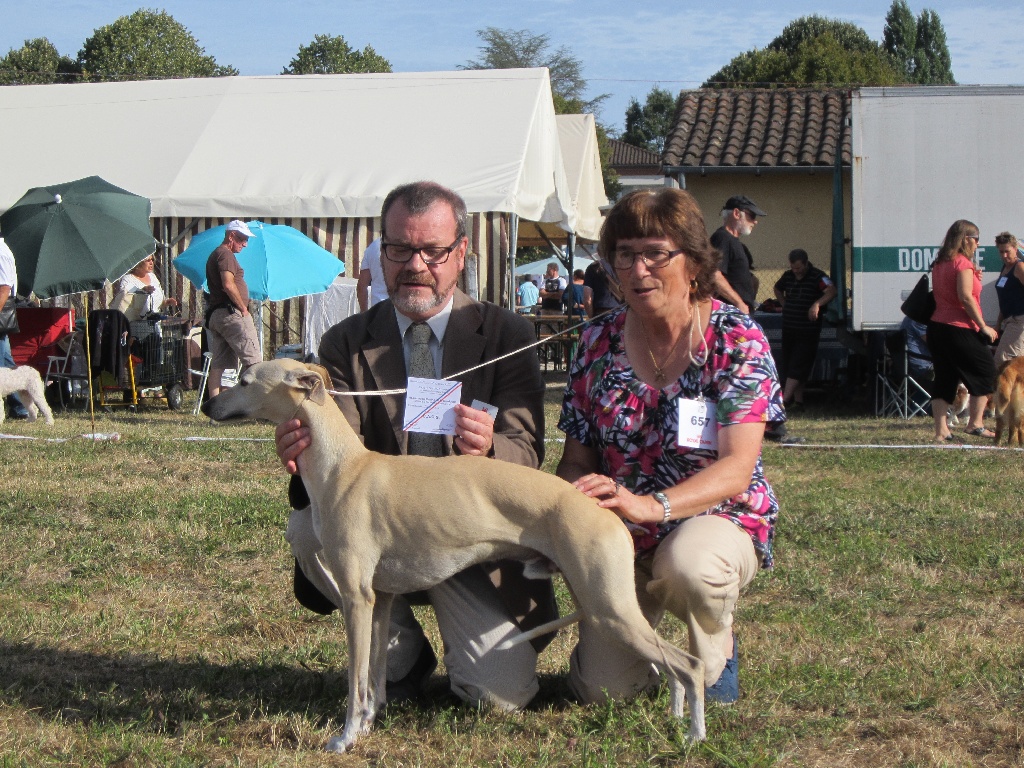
pixel 693 285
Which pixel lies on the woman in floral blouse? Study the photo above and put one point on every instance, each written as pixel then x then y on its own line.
pixel 664 414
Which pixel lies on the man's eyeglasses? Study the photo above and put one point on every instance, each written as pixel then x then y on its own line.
pixel 431 254
pixel 654 259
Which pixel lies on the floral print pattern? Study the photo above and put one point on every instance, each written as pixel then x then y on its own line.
pixel 634 426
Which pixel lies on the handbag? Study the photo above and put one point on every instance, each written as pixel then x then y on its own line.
pixel 9 317
pixel 920 304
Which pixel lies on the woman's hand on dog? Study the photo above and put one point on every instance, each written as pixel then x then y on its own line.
pixel 291 438
pixel 612 495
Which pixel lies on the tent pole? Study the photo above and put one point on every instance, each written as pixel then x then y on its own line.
pixel 259 327
pixel 570 257
pixel 88 367
pixel 510 273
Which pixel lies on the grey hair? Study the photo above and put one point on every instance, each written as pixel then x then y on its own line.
pixel 419 196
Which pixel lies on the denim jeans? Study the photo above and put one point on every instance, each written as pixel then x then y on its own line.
pixel 7 361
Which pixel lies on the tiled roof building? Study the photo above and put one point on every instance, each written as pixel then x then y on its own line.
pixel 626 156
pixel 759 128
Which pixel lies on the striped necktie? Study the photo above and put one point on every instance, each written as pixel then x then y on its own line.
pixel 421 365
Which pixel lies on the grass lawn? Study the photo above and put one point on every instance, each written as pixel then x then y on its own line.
pixel 146 616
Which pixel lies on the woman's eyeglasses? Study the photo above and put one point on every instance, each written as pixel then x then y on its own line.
pixel 623 258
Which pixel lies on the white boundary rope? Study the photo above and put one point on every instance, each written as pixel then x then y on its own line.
pixel 384 392
pixel 904 446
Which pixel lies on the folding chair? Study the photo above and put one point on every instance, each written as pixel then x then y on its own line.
pixel 228 379
pixel 67 371
pixel 113 369
pixel 897 393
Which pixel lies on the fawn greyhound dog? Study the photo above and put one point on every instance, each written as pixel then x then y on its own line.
pixel 396 524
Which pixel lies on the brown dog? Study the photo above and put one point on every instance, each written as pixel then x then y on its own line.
pixel 1008 402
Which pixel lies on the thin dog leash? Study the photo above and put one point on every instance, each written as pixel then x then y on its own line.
pixel 552 337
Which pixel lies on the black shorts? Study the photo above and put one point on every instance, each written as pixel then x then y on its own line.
pixel 799 349
pixel 959 355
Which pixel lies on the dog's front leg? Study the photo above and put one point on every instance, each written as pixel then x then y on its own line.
pixel 694 696
pixel 358 610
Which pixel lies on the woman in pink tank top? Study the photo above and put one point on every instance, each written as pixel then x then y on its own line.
pixel 958 335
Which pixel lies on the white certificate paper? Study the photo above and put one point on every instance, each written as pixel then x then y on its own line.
pixel 430 406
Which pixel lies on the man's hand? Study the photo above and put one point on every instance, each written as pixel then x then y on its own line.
pixel 813 312
pixel 291 438
pixel 474 431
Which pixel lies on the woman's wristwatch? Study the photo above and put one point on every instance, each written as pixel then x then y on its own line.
pixel 662 499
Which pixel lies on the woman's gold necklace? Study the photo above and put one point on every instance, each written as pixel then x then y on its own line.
pixel 659 372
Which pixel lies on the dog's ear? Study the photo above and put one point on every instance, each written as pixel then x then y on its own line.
pixel 323 374
pixel 312 382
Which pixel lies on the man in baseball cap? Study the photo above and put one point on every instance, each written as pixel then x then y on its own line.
pixel 230 331
pixel 241 227
pixel 735 282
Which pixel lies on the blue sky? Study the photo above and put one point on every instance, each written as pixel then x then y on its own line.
pixel 674 44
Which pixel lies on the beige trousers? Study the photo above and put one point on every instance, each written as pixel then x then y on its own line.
pixel 696 573
pixel 471 617
pixel 1011 340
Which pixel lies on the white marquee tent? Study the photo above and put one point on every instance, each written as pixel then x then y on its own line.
pixel 318 152
pixel 577 137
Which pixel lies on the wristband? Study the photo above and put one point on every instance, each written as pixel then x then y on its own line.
pixel 662 499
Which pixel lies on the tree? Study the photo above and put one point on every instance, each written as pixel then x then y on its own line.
pixel 520 48
pixel 648 125
pixel 899 37
pixel 932 63
pixel 918 47
pixel 808 28
pixel 36 62
pixel 812 51
pixel 327 55
pixel 146 45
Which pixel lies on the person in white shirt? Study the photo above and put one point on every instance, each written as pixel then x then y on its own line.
pixel 551 293
pixel 139 293
pixel 9 287
pixel 371 288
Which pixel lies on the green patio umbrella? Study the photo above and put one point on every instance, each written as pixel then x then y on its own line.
pixel 70 237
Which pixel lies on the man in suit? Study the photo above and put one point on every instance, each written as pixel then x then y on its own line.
pixel 423 249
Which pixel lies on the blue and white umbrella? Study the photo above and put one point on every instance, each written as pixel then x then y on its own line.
pixel 279 261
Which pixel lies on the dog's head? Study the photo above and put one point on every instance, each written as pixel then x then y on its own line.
pixel 272 391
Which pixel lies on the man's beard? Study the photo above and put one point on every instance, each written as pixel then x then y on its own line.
pixel 415 305
pixel 746 228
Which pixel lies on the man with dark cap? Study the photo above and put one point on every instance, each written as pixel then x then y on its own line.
pixel 734 281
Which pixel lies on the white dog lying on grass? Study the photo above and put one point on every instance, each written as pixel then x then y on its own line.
pixel 27 384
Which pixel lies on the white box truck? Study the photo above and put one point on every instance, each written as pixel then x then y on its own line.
pixel 924 157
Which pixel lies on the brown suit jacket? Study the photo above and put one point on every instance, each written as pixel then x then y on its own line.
pixel 364 353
